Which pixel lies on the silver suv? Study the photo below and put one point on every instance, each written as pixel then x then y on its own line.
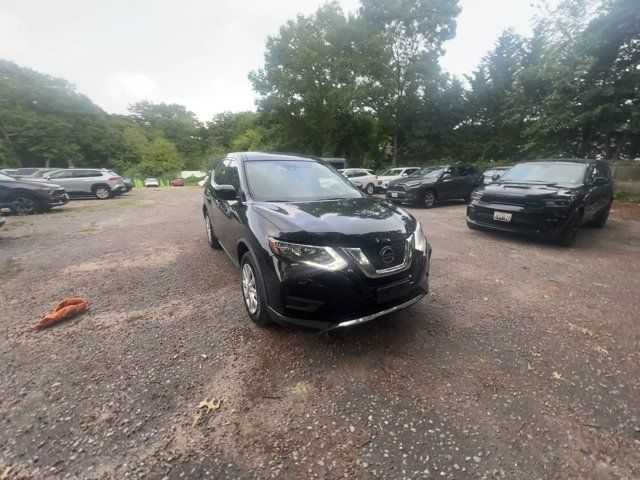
pixel 100 182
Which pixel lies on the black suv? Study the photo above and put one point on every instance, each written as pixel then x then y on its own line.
pixel 430 184
pixel 312 249
pixel 547 198
pixel 24 196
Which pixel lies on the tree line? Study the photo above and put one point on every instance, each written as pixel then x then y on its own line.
pixel 368 87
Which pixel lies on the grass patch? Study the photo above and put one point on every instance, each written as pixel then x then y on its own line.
pixel 626 197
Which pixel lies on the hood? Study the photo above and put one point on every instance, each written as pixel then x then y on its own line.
pixel 345 222
pixel 414 182
pixel 37 182
pixel 525 191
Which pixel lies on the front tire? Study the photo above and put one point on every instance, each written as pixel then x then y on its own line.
pixel 24 204
pixel 253 291
pixel 601 220
pixel 212 240
pixel 568 236
pixel 370 189
pixel 429 199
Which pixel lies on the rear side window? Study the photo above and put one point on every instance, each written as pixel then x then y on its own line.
pixel 61 174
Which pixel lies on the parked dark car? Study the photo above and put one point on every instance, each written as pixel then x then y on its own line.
pixel 128 184
pixel 431 184
pixel 24 196
pixel 548 199
pixel 313 250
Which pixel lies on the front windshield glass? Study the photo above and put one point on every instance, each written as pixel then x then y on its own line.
pixel 392 172
pixel 428 172
pixel 292 180
pixel 546 172
pixel 5 177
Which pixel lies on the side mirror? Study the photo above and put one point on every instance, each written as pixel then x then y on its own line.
pixel 226 192
pixel 599 181
pixel 405 174
pixel 495 177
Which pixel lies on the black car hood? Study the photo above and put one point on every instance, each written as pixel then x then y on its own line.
pixel 527 190
pixel 414 182
pixel 345 222
pixel 33 183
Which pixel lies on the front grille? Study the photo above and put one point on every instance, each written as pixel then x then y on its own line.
pixel 373 254
pixel 396 188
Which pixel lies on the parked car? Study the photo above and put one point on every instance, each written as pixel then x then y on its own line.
pixel 393 174
pixel 431 184
pixel 312 249
pixel 24 196
pixel 177 182
pixel 128 184
pixel 151 182
pixel 494 174
pixel 362 178
pixel 548 199
pixel 97 182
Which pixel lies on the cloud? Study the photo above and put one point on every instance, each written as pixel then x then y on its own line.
pixel 124 88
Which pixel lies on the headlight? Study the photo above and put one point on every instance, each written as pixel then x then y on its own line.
pixel 475 195
pixel 320 257
pixel 419 238
pixel 559 202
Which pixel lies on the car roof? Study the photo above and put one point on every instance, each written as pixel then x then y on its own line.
pixel 251 156
pixel 567 160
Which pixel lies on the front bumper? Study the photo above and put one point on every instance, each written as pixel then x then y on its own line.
pixel 541 222
pixel 309 297
pixel 408 196
pixel 58 199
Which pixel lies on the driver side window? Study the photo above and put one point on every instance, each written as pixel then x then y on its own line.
pixel 231 176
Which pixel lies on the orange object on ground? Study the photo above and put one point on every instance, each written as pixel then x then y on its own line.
pixel 67 308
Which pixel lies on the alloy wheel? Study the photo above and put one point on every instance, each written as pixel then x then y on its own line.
pixel 370 189
pixel 102 193
pixel 429 199
pixel 23 204
pixel 249 289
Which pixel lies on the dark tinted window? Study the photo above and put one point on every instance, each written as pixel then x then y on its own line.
pixel 61 174
pixel 217 176
pixel 231 176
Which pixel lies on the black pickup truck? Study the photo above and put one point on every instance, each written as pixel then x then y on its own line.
pixel 430 184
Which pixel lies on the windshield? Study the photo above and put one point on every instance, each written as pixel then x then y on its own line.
pixel 392 172
pixel 6 177
pixel 546 172
pixel 428 172
pixel 291 180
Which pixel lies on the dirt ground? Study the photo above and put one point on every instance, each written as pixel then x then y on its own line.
pixel 523 361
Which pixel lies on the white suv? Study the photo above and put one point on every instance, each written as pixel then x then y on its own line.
pixel 393 174
pixel 100 182
pixel 362 178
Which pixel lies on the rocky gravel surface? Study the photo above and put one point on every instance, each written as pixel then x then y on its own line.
pixel 522 362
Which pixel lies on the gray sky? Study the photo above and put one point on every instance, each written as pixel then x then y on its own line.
pixel 193 52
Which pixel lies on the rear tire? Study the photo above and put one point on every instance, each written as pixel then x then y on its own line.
pixel 24 204
pixel 212 240
pixel 370 189
pixel 429 199
pixel 601 220
pixel 102 192
pixel 253 291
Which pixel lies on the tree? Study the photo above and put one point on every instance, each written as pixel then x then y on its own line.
pixel 403 42
pixel 160 157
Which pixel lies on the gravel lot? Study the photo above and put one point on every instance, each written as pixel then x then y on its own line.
pixel 523 362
